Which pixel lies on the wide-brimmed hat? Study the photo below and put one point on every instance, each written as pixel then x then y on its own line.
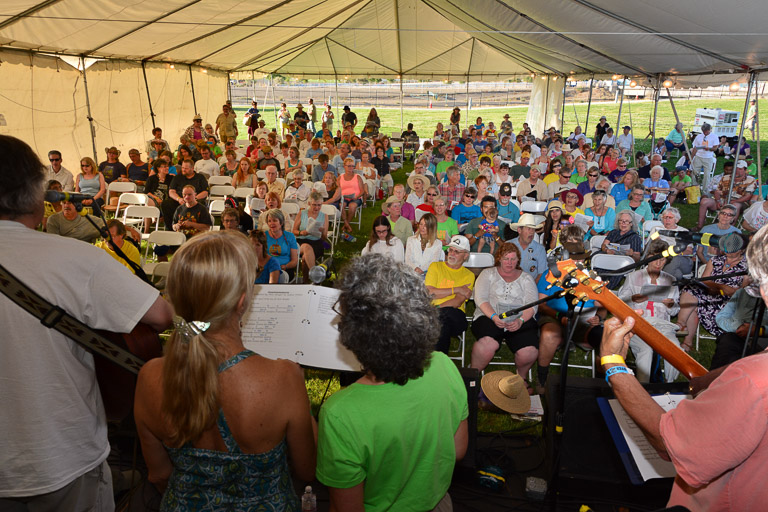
pixel 299 105
pixel 527 220
pixel 554 204
pixel 506 116
pixel 573 190
pixel 420 177
pixel 732 242
pixel 507 391
pixel 197 117
pixel 390 200
pixel 113 149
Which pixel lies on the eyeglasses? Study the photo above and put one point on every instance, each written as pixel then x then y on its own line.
pixel 470 195
pixel 431 195
pixel 382 231
pixel 85 165
pixel 593 175
pixel 728 214
pixel 55 159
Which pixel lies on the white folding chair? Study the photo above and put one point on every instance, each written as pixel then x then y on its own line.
pixel 137 216
pixel 219 180
pixel 537 208
pixel 220 192
pixel 216 207
pixel 479 260
pixel 157 238
pixel 334 223
pixel 373 189
pixel 611 261
pixel 118 188
pixel 648 226
pixel 261 174
pixel 290 210
pixel 157 271
pixel 596 243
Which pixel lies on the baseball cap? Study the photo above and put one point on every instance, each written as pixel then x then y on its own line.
pixel 459 242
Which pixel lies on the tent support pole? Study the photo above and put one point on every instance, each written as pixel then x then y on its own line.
pixel 468 102
pixel 562 115
pixel 656 98
pixel 757 137
pixel 253 83
pixel 546 105
pixel 741 132
pixel 677 120
pixel 621 104
pixel 229 86
pixel 336 99
pixel 589 103
pixel 401 103
pixel 88 107
pixel 192 84
pixel 274 105
pixel 149 98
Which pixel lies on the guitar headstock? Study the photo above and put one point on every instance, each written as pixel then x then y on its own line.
pixel 579 280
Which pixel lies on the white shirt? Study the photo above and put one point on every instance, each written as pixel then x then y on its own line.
pixel 64 177
pixel 238 155
pixel 710 141
pixel 502 296
pixel 626 141
pixel 394 249
pixel 415 200
pixel 53 422
pixel 756 216
pixel 633 285
pixel 208 167
pixel 416 258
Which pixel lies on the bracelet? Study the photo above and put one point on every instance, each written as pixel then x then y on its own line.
pixel 452 291
pixel 493 315
pixel 613 358
pixel 616 369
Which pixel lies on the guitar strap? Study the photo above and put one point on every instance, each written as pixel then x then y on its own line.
pixel 54 317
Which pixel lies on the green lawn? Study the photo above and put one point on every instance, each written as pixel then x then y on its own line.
pixel 424 123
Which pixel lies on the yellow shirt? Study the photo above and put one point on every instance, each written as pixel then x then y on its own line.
pixel 551 178
pixel 440 275
pixel 128 248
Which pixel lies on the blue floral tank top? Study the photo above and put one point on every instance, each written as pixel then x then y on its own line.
pixel 217 481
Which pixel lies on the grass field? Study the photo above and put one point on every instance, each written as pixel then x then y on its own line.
pixel 321 383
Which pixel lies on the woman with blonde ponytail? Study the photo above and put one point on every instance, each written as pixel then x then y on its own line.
pixel 217 422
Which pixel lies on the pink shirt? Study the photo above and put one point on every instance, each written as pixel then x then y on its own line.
pixel 718 442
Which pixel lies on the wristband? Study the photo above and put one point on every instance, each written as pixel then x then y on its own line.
pixel 452 291
pixel 616 369
pixel 613 358
pixel 493 315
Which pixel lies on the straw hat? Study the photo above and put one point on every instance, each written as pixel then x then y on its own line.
pixel 507 391
pixel 527 220
pixel 420 177
pixel 390 200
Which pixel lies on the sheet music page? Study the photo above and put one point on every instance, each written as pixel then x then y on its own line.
pixel 656 293
pixel 297 322
pixel 648 461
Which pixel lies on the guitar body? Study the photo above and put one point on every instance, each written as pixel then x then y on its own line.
pixel 117 385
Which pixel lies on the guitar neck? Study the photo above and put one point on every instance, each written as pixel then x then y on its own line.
pixel 678 358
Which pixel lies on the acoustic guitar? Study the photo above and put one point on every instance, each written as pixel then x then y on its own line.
pixel 584 285
pixel 117 384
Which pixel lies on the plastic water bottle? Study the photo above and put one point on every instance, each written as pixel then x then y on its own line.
pixel 308 500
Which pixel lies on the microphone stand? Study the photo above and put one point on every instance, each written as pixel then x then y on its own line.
pixel 672 250
pixel 104 232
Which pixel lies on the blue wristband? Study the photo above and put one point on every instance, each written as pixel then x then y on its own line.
pixel 493 315
pixel 613 370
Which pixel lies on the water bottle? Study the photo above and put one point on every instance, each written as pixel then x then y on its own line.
pixel 308 500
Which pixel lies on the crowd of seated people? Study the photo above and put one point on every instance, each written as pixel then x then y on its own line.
pixel 494 188
pixel 483 189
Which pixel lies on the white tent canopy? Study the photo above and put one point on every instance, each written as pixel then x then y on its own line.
pixel 692 41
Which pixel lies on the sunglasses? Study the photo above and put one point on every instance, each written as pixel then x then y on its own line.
pixel 593 175
pixel 470 195
pixel 55 159
pixel 431 195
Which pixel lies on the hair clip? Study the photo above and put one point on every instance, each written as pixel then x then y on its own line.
pixel 188 330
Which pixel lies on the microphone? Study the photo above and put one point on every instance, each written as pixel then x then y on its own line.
pixel 320 273
pixel 707 239
pixel 53 196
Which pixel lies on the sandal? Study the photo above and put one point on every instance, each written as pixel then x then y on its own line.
pixel 682 331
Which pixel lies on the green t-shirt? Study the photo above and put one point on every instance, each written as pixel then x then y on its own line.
pixel 686 179
pixel 442 166
pixel 575 178
pixel 398 439
pixel 447 229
